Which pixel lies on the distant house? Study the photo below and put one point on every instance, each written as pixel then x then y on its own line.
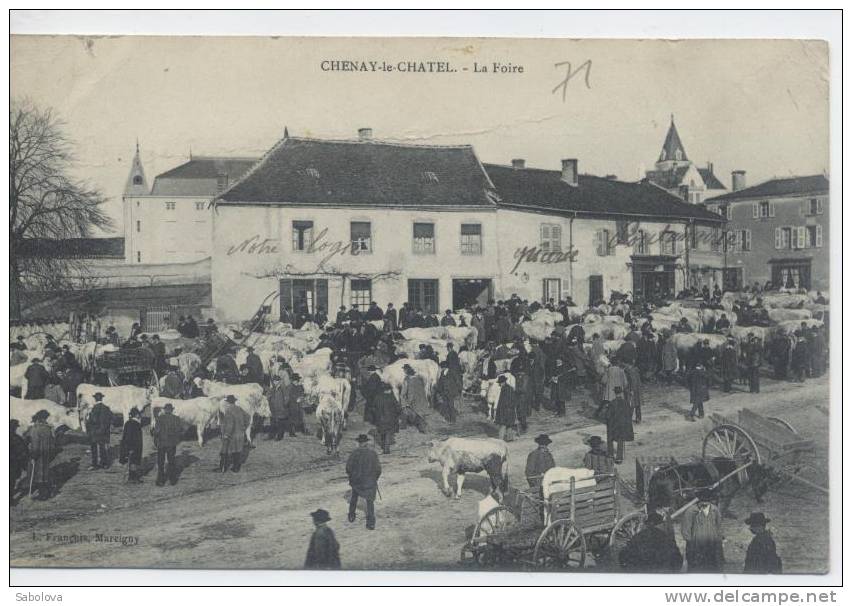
pixel 170 223
pixel 778 231
pixel 106 251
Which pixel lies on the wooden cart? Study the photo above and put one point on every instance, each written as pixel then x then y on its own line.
pixel 128 367
pixel 527 531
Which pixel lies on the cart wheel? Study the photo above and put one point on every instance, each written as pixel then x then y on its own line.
pixel 561 545
pixel 731 442
pixel 783 422
pixel 625 529
pixel 497 520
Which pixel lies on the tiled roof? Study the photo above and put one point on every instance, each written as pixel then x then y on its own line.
pixel 710 180
pixel 672 144
pixel 667 179
pixel 199 176
pixel 73 248
pixel 364 173
pixel 791 186
pixel 545 189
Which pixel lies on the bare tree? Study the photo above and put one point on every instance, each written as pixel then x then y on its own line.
pixel 45 202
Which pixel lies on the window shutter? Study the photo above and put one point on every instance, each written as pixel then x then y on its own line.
pixel 772 209
pixel 286 295
pixel 800 236
pixel 545 237
pixel 747 233
pixel 818 236
pixel 819 206
pixel 805 207
pixel 778 237
pixel 755 210
pixel 598 245
pixel 738 240
pixel 556 236
pixel 321 295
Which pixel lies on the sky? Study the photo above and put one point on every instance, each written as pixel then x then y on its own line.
pixel 760 106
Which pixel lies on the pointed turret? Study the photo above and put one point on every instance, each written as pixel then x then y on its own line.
pixel 137 184
pixel 673 151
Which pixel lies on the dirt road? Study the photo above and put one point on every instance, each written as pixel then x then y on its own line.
pixel 258 518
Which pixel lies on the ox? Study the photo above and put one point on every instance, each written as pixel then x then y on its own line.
pixel 463 455
pixel 119 399
pixel 196 412
pixel 785 315
pixel 23 411
pixel 394 375
pixel 333 397
pixel 249 397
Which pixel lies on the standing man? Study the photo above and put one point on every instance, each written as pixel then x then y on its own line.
pixel 412 397
pixel 277 409
pixel 761 557
pixel 668 358
pixel 294 414
pixel 799 358
pixel 754 357
pixel 634 390
pixel 37 378
pixel 131 446
pixel 523 399
pixel 701 528
pixel 539 461
pixel 390 324
pixel 612 376
pixel 597 458
pixel 652 549
pixel 699 390
pixel 255 367
pixel 167 433
pixel 730 367
pixel 506 414
pixel 363 469
pixel 19 456
pixel 42 447
pixel 453 358
pixel 233 422
pixel 370 388
pixel 98 427
pixel 324 550
pixel 619 425
pixel 780 354
pixel 386 412
pixel 158 348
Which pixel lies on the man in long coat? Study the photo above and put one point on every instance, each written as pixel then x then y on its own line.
pixel 646 356
pixel 42 447
pixel 761 556
pixel 539 461
pixel 323 550
pixel 167 434
pixel 386 412
pixel 233 422
pixel 370 389
pixel 130 451
pixel 730 366
pixel 478 322
pixel 698 382
pixel 523 398
pixel 37 378
pixel 506 415
pixel 294 417
pixel 753 353
pixel 612 376
pixel 19 457
pixel 652 549
pixel 448 390
pixel 226 369
pixel 701 527
pixel 633 393
pixel 390 318
pixel 255 367
pixel 453 358
pixel 668 358
pixel 98 427
pixel 780 354
pixel 277 409
pixel 412 397
pixel 538 363
pixel 364 470
pixel 619 425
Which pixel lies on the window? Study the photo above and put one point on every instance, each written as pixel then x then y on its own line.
pixel 360 235
pixel 716 240
pixel 137 179
pixel 692 232
pixel 784 238
pixel 742 240
pixel 603 243
pixel 170 205
pixel 641 245
pixel 138 226
pixel 814 206
pixel 551 237
pixel 813 236
pixel 471 239
pixel 424 238
pixel 423 294
pixel 622 232
pixel 221 183
pixel 361 293
pixel 200 205
pixel 668 243
pixel 727 211
pixel 303 235
pixel 551 289
pixel 763 210
pixel 138 256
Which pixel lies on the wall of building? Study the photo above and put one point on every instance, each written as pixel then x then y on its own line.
pixel 788 211
pixel 156 234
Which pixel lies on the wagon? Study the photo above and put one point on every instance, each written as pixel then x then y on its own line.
pixel 128 367
pixel 574 515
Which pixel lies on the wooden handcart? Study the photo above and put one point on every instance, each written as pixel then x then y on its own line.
pixel 128 367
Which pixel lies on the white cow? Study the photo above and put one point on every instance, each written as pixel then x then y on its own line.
pixel 119 399
pixel 249 397
pixel 490 390
pixel 187 362
pixel 85 353
pixel 463 455
pixel 315 364
pixel 394 375
pixel 200 413
pixel 333 397
pixel 791 326
pixel 785 315
pixel 23 411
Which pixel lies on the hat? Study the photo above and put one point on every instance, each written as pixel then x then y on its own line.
pixel 654 519
pixel 705 495
pixel 543 439
pixel 407 368
pixel 13 424
pixel 197 381
pixel 41 415
pixel 757 519
pixel 501 379
pixel 276 378
pixel 593 441
pixel 617 389
pixel 98 396
pixel 35 360
pixel 167 406
pixel 250 348
pixel 362 438
pixel 371 367
pixel 320 516
pixel 230 399
pixel 297 377
pixel 20 337
pixel 134 412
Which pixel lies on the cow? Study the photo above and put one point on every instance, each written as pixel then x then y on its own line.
pixel 490 390
pixel 200 413
pixel 463 455
pixel 23 411
pixel 333 397
pixel 394 375
pixel 786 315
pixel 120 399
pixel 791 326
pixel 85 353
pixel 249 397
pixel 315 364
pixel 188 363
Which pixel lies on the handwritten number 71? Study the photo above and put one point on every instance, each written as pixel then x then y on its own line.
pixel 570 73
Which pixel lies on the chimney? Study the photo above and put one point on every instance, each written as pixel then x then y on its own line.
pixel 569 171
pixel 518 163
pixel 738 180
pixel 365 134
pixel 710 167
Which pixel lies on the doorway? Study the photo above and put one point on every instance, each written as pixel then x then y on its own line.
pixel 595 289
pixel 471 292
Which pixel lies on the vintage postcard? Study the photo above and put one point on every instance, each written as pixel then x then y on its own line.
pixel 441 304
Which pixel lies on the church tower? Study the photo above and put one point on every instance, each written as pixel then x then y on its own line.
pixel 137 184
pixel 673 155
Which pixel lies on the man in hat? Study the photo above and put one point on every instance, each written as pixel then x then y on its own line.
pixel 619 425
pixel 562 384
pixel 597 458
pixel 698 382
pixel 363 469
pixel 42 449
pixel 19 456
pixel 730 366
pixel 255 367
pixel 37 378
pixel 753 353
pixel 412 397
pixel 505 416
pixel 612 376
pixel 277 409
pixel 447 391
pixel 370 388
pixel 20 344
pixel 233 422
pixel 761 557
pixel 131 446
pixel 701 527
pixel 294 417
pixel 652 549
pixel 386 413
pixel 780 354
pixel 799 358
pixel 167 434
pixel 323 550
pixel 226 368
pixel 539 461
pixel 196 390
pixel 98 427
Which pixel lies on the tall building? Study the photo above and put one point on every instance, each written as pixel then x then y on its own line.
pixel 777 231
pixel 170 223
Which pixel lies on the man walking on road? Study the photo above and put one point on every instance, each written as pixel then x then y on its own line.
pixel 364 469
pixel 98 427
pixel 131 446
pixel 233 424
pixel 167 433
pixel 753 358
pixel 324 550
pixel 701 528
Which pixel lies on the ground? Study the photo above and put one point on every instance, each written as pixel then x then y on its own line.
pixel 258 518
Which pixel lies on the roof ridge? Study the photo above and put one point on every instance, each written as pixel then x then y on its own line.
pixel 389 142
